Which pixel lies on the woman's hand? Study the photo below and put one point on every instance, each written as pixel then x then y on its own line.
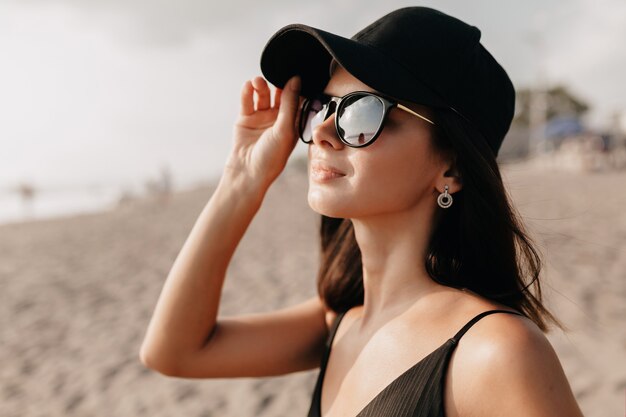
pixel 264 135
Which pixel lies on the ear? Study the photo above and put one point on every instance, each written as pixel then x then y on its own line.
pixel 450 176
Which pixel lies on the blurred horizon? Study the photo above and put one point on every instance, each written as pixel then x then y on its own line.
pixel 106 95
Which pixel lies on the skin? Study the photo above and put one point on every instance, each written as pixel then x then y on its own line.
pixel 503 365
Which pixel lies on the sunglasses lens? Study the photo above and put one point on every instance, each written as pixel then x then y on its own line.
pixel 312 116
pixel 359 118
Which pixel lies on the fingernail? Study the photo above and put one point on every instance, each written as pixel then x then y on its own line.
pixel 295 83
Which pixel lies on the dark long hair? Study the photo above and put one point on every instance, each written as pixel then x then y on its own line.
pixel 478 243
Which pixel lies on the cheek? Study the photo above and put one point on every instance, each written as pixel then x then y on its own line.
pixel 396 178
pixel 393 174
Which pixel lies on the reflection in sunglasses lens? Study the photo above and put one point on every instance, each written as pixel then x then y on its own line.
pixel 314 113
pixel 359 118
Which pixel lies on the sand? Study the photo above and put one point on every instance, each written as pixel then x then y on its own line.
pixel 78 292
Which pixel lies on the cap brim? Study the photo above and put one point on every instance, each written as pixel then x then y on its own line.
pixel 307 51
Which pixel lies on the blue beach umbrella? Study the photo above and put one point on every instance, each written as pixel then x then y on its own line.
pixel 559 127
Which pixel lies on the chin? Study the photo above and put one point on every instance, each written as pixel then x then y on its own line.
pixel 337 207
pixel 327 204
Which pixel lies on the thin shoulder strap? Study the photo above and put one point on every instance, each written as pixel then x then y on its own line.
pixel 329 339
pixel 470 323
pixel 314 411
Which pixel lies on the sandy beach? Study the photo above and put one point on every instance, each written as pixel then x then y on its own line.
pixel 78 292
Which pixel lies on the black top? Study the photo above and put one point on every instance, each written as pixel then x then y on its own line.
pixel 417 392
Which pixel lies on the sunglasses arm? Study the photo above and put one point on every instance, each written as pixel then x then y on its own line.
pixel 406 109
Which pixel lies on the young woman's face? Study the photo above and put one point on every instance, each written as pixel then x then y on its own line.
pixel 395 173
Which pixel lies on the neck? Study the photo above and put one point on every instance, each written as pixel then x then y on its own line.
pixel 393 257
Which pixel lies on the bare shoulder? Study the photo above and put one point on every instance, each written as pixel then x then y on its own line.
pixel 505 365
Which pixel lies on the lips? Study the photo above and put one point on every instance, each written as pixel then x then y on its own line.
pixel 317 165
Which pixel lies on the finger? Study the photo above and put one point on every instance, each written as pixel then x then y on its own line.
pixel 263 93
pixel 298 111
pixel 289 105
pixel 247 101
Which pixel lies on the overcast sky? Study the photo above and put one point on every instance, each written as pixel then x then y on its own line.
pixel 108 91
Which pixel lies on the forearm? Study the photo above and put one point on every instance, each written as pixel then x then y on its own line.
pixel 186 310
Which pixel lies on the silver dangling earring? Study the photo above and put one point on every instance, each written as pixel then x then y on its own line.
pixel 444 200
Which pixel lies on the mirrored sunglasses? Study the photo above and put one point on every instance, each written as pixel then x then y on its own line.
pixel 360 116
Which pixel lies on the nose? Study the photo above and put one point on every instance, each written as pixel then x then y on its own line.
pixel 325 133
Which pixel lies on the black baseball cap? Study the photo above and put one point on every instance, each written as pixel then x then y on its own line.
pixel 415 54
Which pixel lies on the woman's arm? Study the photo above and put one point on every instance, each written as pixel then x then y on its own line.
pixel 186 311
pixel 184 322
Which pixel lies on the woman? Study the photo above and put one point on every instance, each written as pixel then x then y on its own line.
pixel 421 248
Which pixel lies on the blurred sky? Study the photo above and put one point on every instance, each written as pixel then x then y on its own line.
pixel 109 91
